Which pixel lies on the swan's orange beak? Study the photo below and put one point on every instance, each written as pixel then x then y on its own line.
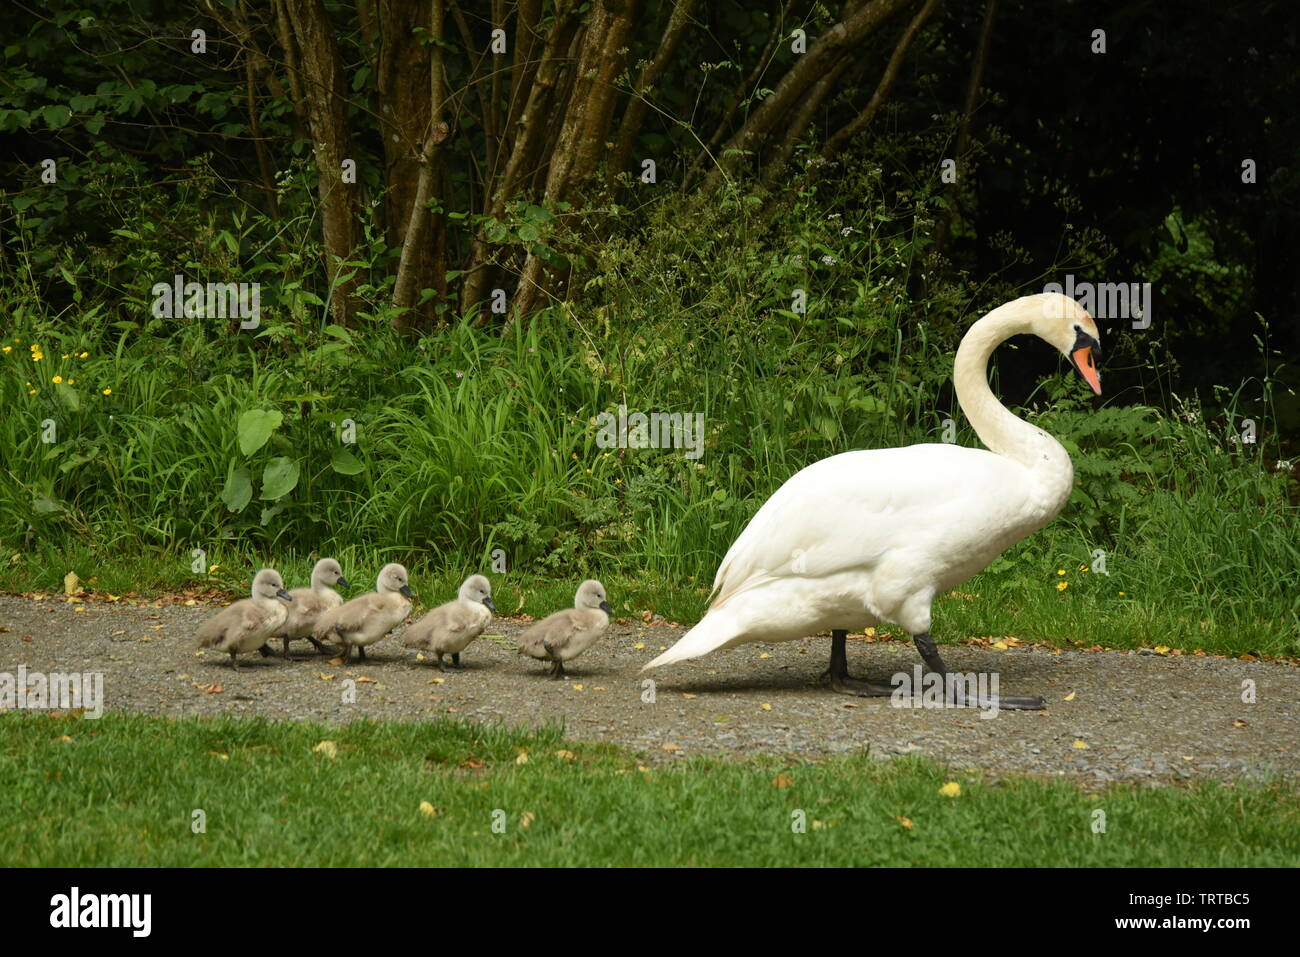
pixel 1083 361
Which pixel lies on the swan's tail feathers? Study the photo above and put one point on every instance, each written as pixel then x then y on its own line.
pixel 714 631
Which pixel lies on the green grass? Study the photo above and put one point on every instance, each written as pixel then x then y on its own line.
pixel 123 791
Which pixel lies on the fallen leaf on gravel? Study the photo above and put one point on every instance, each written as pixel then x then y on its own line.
pixel 71 583
pixel 526 819
pixel 327 748
pixel 639 644
pixel 28 638
pixel 1069 697
pixel 1000 645
pixel 782 781
pixel 436 681
pixel 213 689
pixel 324 677
pixel 765 655
pixel 685 695
pixel 670 747
pixel 1081 745
pixel 419 656
pixel 367 680
pixel 337 661
pixel 906 822
pixel 1247 657
pixel 1238 723
pixel 564 755
pixel 577 687
pixel 963 724
pixel 951 790
pixel 1161 649
pixel 427 809
pixel 115 634
pixel 766 707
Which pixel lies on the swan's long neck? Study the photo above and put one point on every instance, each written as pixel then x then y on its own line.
pixel 1006 434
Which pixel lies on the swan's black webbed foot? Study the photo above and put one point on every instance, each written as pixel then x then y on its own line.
pixel 930 652
pixel 837 675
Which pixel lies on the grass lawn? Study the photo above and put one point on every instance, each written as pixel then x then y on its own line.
pixel 123 791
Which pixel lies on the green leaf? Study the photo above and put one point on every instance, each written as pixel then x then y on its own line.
pixel 44 505
pixel 528 233
pixel 280 478
pixel 238 491
pixel 345 463
pixel 56 116
pixel 255 427
pixel 69 397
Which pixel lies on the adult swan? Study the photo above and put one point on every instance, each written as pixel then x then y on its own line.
pixel 871 536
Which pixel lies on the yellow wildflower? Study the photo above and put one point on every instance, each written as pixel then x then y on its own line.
pixel 108 392
pixel 1062 586
pixel 57 379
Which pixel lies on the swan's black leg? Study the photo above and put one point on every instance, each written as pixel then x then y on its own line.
pixel 323 649
pixel 455 660
pixel 286 649
pixel 930 652
pixel 265 651
pixel 838 673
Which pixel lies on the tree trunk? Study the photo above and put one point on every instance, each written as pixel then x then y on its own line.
pixel 799 79
pixel 421 261
pixel 325 89
pixel 863 119
pixel 638 106
pixel 586 125
pixel 529 132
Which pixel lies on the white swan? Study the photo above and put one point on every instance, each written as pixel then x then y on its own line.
pixel 871 536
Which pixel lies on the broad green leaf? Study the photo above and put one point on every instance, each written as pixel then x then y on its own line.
pixel 57 116
pixel 344 462
pixel 255 427
pixel 280 478
pixel 238 491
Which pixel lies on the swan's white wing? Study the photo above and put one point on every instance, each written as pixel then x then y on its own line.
pixel 847 511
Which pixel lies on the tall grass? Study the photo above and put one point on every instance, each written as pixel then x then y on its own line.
pixel 471 442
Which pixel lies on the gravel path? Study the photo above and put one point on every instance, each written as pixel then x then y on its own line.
pixel 1141 716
